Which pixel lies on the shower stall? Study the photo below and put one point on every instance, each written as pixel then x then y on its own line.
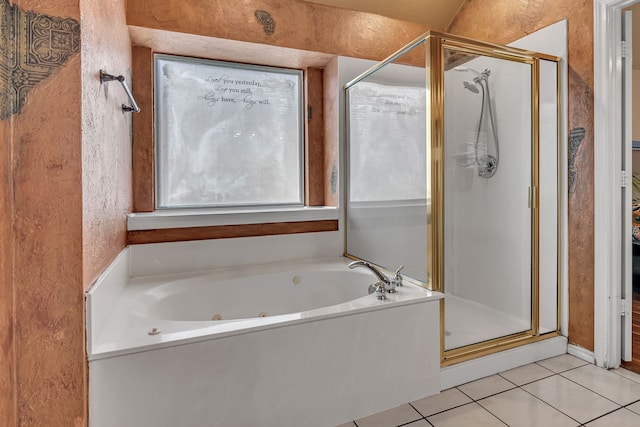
pixel 452 170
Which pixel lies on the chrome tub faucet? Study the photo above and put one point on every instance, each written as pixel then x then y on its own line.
pixel 384 284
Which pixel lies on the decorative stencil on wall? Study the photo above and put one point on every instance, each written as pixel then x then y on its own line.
pixel 334 180
pixel 576 136
pixel 32 46
pixel 265 19
pixel 8 50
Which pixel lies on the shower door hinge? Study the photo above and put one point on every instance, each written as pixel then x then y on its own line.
pixel 624 49
pixel 624 179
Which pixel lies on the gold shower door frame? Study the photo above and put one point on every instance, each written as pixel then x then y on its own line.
pixel 435 44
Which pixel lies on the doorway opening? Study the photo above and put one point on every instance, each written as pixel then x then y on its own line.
pixel 616 178
pixel 634 193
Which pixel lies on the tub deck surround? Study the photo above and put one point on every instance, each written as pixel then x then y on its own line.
pixel 181 306
pixel 325 343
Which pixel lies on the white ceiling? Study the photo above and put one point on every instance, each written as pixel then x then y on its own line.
pixel 435 14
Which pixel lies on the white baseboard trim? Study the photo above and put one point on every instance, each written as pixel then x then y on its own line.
pixel 581 353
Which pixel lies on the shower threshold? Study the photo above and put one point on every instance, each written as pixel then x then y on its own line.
pixel 468 322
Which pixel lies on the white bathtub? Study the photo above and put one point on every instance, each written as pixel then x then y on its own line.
pixel 324 353
pixel 256 292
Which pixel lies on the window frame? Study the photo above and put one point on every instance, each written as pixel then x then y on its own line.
pixel 159 158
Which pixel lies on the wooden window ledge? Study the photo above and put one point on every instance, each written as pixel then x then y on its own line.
pixel 199 224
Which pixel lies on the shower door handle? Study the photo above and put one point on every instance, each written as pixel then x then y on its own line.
pixel 532 197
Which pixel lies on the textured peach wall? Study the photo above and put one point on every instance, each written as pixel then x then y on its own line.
pixel 48 374
pixel 503 21
pixel 63 8
pixel 331 133
pixel 49 314
pixel 7 347
pixel 298 24
pixel 143 144
pixel 106 135
pixel 314 134
pixel 45 284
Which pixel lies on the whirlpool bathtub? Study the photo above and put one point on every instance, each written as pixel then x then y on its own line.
pixel 298 343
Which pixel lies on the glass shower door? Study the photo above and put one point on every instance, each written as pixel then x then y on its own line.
pixel 489 196
pixel 387 184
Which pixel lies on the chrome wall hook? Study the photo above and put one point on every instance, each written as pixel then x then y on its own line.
pixel 105 77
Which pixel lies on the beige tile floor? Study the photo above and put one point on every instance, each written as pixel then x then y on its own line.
pixel 557 392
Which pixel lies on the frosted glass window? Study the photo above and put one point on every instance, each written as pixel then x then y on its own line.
pixel 387 141
pixel 227 134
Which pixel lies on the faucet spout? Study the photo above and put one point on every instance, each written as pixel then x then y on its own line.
pixel 381 277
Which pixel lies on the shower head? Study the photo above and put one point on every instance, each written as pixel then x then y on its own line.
pixel 472 87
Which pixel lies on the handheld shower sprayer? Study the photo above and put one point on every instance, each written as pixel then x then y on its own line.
pixel 487 164
pixel 467 69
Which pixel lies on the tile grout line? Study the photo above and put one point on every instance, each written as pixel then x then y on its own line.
pixel 604 415
pixel 416 420
pixel 492 414
pixel 624 376
pixel 489 395
pixel 551 373
pixel 565 370
pixel 446 410
pixel 416 409
pixel 544 402
pixel 586 388
pixel 593 391
pixel 464 404
pixel 460 406
pixel 516 386
pixel 507 380
pixel 548 404
pixel 631 410
pixel 424 417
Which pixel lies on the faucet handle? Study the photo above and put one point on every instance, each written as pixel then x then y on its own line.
pixel 380 291
pixel 397 278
